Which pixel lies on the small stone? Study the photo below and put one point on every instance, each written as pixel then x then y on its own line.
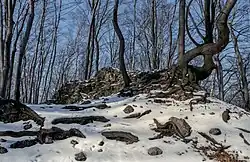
pixel 186 117
pixel 80 156
pixel 225 115
pixel 102 106
pixel 215 131
pixel 48 140
pixel 107 125
pixel 101 143
pixel 141 106
pixel 115 116
pixel 27 126
pixel 100 150
pixel 3 150
pixel 73 142
pixel 153 151
pixel 129 109
pixel 202 113
pixel 3 140
pixel 212 113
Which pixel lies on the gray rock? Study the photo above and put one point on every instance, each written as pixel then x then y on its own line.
pixel 48 140
pixel 153 151
pixel 3 150
pixel 215 131
pixel 3 140
pixel 80 156
pixel 128 109
pixel 100 150
pixel 101 143
pixel 27 126
pixel 225 115
pixel 107 125
pixel 183 127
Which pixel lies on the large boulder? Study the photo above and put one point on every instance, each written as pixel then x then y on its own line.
pixel 14 111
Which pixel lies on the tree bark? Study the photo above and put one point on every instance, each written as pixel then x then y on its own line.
pixel 181 45
pixel 23 47
pixel 201 73
pixel 242 71
pixel 126 78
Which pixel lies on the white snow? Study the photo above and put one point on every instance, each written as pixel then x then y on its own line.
pixel 115 151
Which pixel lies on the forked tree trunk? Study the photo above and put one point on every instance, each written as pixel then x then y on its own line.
pixel 195 74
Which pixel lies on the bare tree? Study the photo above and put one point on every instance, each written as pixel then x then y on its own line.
pixel 126 78
pixel 195 74
pixel 242 71
pixel 23 47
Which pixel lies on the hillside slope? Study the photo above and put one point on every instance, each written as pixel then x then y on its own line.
pixel 201 119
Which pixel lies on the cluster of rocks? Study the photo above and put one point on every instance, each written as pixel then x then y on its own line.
pixel 106 82
pixel 109 81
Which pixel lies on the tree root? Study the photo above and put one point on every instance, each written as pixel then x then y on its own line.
pixel 202 100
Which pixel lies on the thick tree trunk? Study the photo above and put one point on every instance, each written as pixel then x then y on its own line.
pixel 181 45
pixel 22 49
pixel 9 9
pixel 126 78
pixel 200 73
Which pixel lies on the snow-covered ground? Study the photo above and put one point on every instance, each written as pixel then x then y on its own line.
pixel 202 119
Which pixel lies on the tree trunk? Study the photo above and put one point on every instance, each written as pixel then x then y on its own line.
pixel 196 74
pixel 242 71
pixel 1 49
pixel 9 11
pixel 91 35
pixel 22 49
pixel 154 36
pixel 181 45
pixel 126 78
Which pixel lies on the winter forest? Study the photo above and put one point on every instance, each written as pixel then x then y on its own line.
pixel 45 44
pixel 181 57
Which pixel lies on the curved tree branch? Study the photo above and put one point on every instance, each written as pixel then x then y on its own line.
pixel 223 36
